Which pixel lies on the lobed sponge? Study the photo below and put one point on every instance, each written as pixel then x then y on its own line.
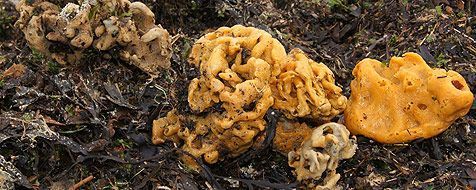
pixel 64 33
pixel 405 101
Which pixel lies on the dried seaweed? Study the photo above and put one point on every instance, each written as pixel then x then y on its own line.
pixel 106 106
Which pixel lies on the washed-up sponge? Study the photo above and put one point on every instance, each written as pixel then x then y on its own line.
pixel 234 62
pixel 320 154
pixel 290 135
pixel 236 66
pixel 405 100
pixel 64 33
pixel 243 70
pixel 306 89
pixel 204 139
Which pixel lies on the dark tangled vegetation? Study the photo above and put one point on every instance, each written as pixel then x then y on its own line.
pixel 102 109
